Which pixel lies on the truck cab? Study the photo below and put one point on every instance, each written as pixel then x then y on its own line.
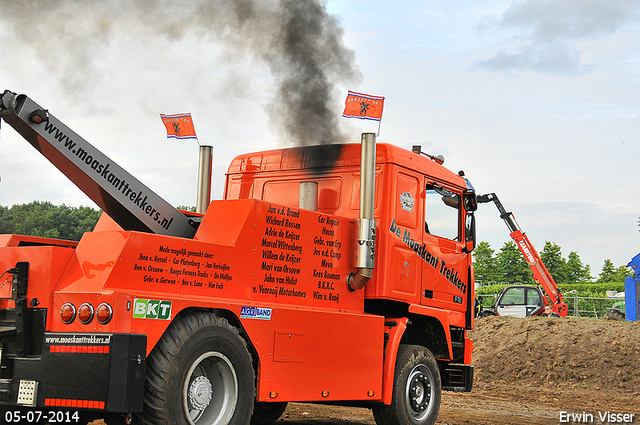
pixel 423 233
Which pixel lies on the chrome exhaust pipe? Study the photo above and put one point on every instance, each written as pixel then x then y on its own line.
pixel 308 196
pixel 205 164
pixel 366 232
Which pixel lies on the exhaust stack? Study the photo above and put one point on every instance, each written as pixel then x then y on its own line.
pixel 204 179
pixel 308 197
pixel 365 248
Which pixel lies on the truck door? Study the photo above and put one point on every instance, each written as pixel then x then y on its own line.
pixel 446 268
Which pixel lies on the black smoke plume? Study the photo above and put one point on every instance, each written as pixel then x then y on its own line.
pixel 301 43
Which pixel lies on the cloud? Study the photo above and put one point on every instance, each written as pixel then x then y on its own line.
pixel 547 32
pixel 550 20
pixel 558 57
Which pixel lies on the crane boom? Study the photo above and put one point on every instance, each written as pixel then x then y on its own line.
pixel 540 272
pixel 125 199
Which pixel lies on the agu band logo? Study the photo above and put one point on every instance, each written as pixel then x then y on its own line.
pixel 151 309
pixel 255 313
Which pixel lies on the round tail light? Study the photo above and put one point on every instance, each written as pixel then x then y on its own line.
pixel 104 313
pixel 68 313
pixel 85 313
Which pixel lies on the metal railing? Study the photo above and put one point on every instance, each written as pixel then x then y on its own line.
pixel 577 306
pixel 589 307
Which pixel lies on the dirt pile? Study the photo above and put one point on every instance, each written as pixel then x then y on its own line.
pixel 558 352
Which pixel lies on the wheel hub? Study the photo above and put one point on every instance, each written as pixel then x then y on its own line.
pixel 200 393
pixel 419 392
pixel 211 374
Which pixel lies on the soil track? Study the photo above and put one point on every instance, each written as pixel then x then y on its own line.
pixel 531 371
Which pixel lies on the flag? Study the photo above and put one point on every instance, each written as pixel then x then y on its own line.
pixel 363 106
pixel 179 126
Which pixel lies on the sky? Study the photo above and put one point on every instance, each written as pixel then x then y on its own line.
pixel 537 101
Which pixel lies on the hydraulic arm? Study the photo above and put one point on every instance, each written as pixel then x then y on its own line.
pixel 124 198
pixel 540 272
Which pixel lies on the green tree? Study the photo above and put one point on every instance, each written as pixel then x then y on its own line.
pixel 611 274
pixel 578 272
pixel 48 220
pixel 485 263
pixel 512 266
pixel 4 220
pixel 608 271
pixel 551 256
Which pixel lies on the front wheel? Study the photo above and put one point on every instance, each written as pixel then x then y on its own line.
pixel 199 373
pixel 416 389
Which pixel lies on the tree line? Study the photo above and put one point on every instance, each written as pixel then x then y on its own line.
pixel 47 220
pixel 508 265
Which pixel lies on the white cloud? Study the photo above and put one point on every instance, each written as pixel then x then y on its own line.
pixel 550 20
pixel 550 35
pixel 557 57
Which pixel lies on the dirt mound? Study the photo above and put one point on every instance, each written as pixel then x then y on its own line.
pixel 557 352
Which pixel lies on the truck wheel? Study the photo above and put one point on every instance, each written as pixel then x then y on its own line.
pixel 416 389
pixel 267 413
pixel 199 373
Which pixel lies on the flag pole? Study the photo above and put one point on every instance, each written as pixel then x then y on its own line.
pixel 380 121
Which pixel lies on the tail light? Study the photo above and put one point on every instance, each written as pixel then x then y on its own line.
pixel 68 313
pixel 104 313
pixel 85 313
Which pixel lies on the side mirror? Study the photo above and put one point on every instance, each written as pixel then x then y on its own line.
pixel 469 233
pixel 470 200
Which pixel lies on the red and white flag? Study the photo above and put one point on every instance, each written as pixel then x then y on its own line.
pixel 363 106
pixel 179 126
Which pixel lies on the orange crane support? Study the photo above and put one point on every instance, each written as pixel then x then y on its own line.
pixel 540 272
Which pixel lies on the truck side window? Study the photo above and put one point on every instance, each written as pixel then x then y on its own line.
pixel 441 212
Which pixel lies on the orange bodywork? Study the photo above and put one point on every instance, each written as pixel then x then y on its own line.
pixel 277 270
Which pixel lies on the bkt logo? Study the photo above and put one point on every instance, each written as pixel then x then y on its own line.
pixel 151 309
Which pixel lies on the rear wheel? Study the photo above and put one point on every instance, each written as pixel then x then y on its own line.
pixel 199 373
pixel 416 389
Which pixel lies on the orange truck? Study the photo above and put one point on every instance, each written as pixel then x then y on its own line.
pixel 337 274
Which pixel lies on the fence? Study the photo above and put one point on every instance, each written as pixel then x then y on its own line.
pixel 577 306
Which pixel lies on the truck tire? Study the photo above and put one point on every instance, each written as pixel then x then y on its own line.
pixel 199 373
pixel 267 413
pixel 416 389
